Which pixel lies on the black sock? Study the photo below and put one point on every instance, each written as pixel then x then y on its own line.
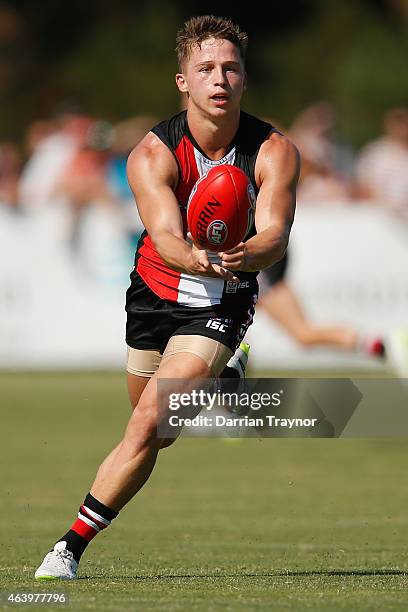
pixel 93 517
pixel 229 373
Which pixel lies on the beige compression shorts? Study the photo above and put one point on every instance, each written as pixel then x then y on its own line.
pixel 146 362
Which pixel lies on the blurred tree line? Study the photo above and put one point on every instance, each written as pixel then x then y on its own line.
pixel 116 59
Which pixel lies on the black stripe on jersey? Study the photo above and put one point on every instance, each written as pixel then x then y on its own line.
pixel 170 132
pixel 252 132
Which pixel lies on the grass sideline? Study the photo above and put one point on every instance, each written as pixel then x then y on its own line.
pixel 250 525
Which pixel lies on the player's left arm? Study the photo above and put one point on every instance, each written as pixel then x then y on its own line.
pixel 277 174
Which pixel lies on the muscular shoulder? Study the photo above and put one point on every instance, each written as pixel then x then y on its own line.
pixel 278 147
pixel 151 158
pixel 279 155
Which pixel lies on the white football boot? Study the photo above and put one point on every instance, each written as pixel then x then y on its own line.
pixel 237 362
pixel 59 564
pixel 239 359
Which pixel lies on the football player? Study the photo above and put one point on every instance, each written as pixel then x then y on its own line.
pixel 176 291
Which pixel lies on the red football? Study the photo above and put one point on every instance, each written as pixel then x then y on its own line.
pixel 221 208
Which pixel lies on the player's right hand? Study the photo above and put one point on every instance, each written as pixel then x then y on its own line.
pixel 200 264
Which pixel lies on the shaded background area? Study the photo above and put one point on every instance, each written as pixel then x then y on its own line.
pixel 114 60
pixel 82 83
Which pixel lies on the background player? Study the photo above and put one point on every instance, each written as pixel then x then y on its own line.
pixel 280 302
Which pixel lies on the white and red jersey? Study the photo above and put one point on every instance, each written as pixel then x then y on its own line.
pixel 186 289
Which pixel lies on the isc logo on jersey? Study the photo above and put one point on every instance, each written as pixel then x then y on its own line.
pixel 218 324
pixel 232 287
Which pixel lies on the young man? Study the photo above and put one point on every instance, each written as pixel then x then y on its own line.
pixel 176 289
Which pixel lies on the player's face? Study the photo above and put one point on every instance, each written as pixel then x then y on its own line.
pixel 214 77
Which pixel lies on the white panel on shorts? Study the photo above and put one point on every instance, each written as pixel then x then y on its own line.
pixel 199 291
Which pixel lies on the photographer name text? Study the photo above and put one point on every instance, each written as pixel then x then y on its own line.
pixel 244 421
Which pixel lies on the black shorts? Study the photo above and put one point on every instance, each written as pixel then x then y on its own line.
pixel 276 273
pixel 151 321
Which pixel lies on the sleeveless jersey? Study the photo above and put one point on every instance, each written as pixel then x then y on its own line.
pixel 179 287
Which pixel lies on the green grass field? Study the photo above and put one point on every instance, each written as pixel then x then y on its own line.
pixel 222 525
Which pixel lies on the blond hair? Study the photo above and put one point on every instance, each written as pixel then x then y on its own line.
pixel 198 29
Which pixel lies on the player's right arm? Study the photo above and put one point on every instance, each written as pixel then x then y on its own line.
pixel 153 176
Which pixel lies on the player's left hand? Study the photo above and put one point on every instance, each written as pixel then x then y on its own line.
pixel 234 259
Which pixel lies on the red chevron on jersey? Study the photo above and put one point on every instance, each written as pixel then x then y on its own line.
pixel 161 279
pixel 184 153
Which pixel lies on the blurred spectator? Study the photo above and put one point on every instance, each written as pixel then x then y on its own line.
pixel 326 165
pixel 83 179
pixel 53 149
pixel 76 174
pixel 82 183
pixel 10 166
pixel 382 165
pixel 36 132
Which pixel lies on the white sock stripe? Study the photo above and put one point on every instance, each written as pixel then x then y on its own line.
pixel 98 517
pixel 88 521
